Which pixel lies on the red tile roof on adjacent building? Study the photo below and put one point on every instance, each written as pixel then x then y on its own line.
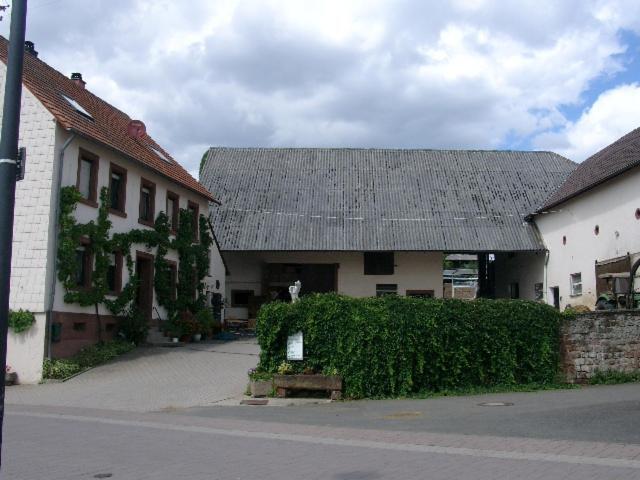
pixel 107 126
pixel 611 161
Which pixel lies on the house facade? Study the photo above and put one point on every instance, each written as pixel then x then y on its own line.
pixel 75 139
pixel 591 226
pixel 366 222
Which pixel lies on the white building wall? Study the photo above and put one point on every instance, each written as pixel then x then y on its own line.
pixel 413 271
pixel 30 234
pixel 135 172
pixel 612 207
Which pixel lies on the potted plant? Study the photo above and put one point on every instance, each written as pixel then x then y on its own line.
pixel 260 383
pixel 206 322
pixel 10 377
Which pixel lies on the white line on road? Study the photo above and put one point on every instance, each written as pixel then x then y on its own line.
pixel 470 452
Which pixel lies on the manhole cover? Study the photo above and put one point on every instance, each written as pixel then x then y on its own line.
pixel 256 401
pixel 495 404
pixel 402 415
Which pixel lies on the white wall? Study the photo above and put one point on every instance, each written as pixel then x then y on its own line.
pixel 612 207
pixel 30 234
pixel 135 172
pixel 413 271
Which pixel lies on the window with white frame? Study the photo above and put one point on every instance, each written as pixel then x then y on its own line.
pixel 576 284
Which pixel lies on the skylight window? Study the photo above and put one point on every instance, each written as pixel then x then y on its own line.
pixel 77 106
pixel 160 154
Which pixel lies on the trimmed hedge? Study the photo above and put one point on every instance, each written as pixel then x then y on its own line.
pixel 396 346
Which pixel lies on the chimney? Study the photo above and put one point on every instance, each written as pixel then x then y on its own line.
pixel 29 47
pixel 77 79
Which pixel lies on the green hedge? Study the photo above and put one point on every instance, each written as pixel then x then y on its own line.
pixel 396 346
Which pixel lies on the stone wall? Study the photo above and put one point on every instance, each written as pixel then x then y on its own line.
pixel 600 341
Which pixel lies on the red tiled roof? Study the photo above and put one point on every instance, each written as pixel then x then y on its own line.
pixel 611 161
pixel 109 125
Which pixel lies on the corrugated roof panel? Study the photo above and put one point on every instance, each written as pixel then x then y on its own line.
pixel 371 199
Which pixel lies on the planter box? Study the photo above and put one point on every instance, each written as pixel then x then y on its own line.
pixel 261 388
pixel 10 378
pixel 331 384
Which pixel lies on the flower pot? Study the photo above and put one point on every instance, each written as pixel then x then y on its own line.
pixel 261 388
pixel 197 337
pixel 10 378
pixel 174 340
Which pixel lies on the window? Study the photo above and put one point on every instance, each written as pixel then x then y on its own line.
pixel 84 265
pixel 114 273
pixel 240 298
pixel 576 284
pixel 87 179
pixel 194 210
pixel 386 289
pixel 378 263
pixel 420 293
pixel 117 189
pixel 147 202
pixel 160 154
pixel 514 290
pixel 173 208
pixel 77 107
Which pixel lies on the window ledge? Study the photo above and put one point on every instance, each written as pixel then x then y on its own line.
pixel 118 213
pixel 574 295
pixel 89 203
pixel 148 223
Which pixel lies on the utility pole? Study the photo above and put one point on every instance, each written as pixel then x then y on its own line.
pixel 8 172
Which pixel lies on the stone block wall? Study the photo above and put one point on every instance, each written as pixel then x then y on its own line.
pixel 600 341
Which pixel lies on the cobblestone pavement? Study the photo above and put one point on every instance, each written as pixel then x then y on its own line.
pixel 63 443
pixel 152 378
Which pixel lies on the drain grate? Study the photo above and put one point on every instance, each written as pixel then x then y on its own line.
pixel 495 404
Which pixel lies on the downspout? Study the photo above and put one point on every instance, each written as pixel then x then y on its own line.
pixel 545 284
pixel 56 213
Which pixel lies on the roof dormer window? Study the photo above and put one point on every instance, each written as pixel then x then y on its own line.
pixel 77 107
pixel 160 154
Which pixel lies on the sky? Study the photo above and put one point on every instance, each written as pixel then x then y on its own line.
pixel 462 74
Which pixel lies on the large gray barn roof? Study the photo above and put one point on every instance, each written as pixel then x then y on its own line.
pixel 368 199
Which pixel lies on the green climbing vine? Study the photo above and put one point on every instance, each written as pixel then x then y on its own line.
pixel 193 261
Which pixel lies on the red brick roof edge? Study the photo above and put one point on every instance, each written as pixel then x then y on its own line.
pixel 108 125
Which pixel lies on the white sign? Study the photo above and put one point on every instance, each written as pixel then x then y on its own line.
pixel 294 346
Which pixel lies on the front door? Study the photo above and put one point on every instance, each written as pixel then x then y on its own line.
pixel 144 296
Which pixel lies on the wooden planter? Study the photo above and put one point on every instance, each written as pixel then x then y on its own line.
pixel 328 383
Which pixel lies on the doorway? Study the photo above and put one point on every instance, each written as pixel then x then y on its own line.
pixel 144 294
pixel 555 294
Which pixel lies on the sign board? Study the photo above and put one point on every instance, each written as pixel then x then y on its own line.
pixel 294 346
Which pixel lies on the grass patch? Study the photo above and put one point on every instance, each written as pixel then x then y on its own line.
pixel 610 377
pixel 85 359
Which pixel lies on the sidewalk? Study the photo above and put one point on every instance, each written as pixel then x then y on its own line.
pixel 152 378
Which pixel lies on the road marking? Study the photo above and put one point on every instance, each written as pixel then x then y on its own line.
pixel 470 452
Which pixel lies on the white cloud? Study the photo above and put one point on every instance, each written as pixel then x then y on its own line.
pixel 403 73
pixel 614 113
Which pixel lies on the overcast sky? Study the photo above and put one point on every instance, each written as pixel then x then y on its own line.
pixel 551 75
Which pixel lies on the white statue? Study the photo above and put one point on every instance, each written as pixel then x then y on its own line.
pixel 294 291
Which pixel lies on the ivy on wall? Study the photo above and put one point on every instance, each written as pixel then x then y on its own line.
pixel 193 261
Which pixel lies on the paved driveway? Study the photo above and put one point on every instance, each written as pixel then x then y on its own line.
pixel 152 379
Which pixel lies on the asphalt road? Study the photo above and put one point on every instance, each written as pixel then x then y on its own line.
pixel 42 443
pixel 598 413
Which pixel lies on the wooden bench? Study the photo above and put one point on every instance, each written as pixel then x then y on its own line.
pixel 328 383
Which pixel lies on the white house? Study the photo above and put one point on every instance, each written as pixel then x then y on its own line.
pixel 74 138
pixel 591 225
pixel 366 222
